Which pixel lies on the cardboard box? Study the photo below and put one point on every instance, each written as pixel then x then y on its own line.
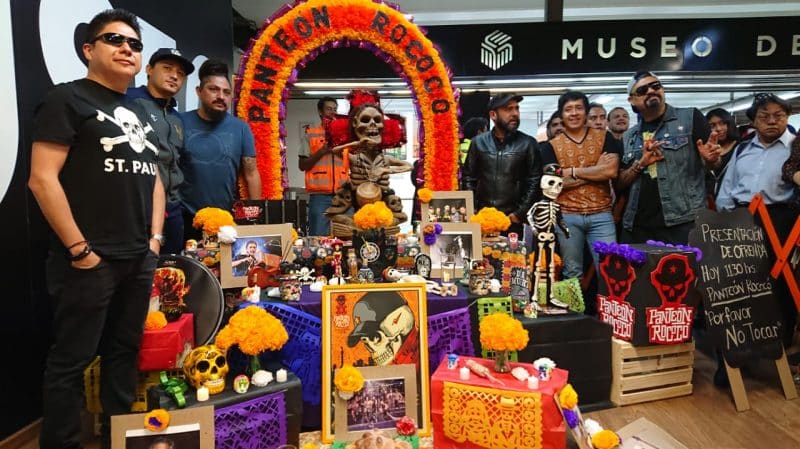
pixel 165 348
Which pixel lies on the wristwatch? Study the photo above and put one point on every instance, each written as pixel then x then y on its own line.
pixel 159 238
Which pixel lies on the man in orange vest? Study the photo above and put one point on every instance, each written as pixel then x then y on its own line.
pixel 324 167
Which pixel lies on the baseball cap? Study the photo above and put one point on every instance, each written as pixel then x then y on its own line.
pixel 501 100
pixel 171 53
pixel 370 311
pixel 636 77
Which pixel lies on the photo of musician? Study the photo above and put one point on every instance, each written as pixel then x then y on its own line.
pixel 250 251
pixel 377 406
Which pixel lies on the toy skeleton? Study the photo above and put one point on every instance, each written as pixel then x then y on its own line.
pixel 543 217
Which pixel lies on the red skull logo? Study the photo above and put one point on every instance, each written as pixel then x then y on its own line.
pixel 672 278
pixel 619 276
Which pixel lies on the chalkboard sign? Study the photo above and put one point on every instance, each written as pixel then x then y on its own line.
pixel 740 311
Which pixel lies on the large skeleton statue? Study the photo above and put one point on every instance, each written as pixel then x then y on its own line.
pixel 543 217
pixel 369 172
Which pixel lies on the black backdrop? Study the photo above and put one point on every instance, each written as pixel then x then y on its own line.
pixel 26 310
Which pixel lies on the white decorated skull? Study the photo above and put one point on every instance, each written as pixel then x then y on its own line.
pixel 382 321
pixel 551 186
pixel 369 124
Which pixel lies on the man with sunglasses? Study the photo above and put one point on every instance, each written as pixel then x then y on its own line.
pixel 166 73
pixel 94 173
pixel 665 160
pixel 756 167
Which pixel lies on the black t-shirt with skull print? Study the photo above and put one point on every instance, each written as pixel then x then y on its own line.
pixel 110 171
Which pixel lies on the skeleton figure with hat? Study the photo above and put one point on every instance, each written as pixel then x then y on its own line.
pixel 543 217
pixel 386 325
pixel 364 134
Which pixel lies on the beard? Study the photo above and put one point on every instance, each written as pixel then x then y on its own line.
pixel 215 114
pixel 653 103
pixel 509 127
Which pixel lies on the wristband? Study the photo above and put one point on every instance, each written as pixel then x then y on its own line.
pixel 81 255
pixel 573 173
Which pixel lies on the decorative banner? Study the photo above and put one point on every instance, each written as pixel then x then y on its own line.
pixel 296 35
pixel 672 321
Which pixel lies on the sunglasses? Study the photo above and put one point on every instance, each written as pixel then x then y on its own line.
pixel 117 40
pixel 641 90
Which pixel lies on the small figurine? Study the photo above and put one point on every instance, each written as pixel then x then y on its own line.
pixel 352 265
pixel 543 217
pixel 336 263
pixel 365 274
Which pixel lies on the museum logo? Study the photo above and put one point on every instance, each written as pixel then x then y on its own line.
pixel 496 50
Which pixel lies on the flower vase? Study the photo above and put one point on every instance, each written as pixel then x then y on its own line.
pixel 501 362
pixel 253 366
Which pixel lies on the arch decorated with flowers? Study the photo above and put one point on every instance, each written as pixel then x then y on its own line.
pixel 298 33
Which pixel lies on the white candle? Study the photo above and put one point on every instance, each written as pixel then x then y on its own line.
pixel 533 383
pixel 280 375
pixel 202 394
pixel 463 373
pixel 445 276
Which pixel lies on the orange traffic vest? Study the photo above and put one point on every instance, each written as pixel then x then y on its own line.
pixel 329 172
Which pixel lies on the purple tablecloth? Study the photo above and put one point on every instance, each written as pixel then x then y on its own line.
pixel 311 302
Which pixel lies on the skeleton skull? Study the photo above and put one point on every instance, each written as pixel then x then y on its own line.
pixel 382 322
pixel 551 186
pixel 206 366
pixel 619 276
pixel 672 278
pixel 132 127
pixel 369 124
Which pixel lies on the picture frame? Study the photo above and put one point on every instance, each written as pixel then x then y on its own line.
pixel 389 393
pixel 459 241
pixel 188 428
pixel 352 316
pixel 458 198
pixel 273 243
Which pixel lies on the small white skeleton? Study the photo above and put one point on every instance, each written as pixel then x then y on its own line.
pixel 129 123
pixel 543 217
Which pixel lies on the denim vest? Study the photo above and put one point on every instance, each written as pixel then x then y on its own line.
pixel 681 175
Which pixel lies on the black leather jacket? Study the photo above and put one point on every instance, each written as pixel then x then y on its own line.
pixel 504 174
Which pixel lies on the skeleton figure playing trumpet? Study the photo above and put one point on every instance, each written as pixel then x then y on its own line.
pixel 543 217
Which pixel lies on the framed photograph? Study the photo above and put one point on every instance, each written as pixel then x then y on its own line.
pixel 448 207
pixel 190 428
pixel 455 246
pixel 375 325
pixel 389 393
pixel 267 244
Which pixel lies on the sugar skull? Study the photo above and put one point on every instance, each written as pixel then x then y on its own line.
pixel 206 366
pixel 619 276
pixel 672 278
pixel 383 321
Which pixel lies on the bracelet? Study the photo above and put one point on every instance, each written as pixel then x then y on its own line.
pixel 76 244
pixel 86 251
pixel 573 173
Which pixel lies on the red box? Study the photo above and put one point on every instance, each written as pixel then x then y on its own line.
pixel 478 413
pixel 165 348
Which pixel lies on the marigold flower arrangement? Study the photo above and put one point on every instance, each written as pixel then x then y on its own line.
pixel 425 195
pixel 605 439
pixel 155 320
pixel 210 219
pixel 373 216
pixel 156 420
pixel 501 332
pixel 254 330
pixel 568 397
pixel 348 380
pixel 491 220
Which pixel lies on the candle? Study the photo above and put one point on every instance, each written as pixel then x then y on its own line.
pixel 445 276
pixel 463 373
pixel 202 394
pixel 281 375
pixel 533 383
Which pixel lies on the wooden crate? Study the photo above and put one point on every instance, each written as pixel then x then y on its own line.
pixel 650 373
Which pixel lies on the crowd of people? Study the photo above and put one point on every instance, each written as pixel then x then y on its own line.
pixel 119 173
